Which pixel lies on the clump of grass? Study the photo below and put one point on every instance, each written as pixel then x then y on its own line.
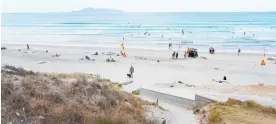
pixel 6 89
pixel 214 116
pixel 70 75
pixel 103 80
pixel 116 84
pixel 251 104
pixel 108 120
pixel 8 69
pixel 136 92
pixel 221 112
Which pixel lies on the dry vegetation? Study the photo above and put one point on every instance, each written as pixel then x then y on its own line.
pixel 29 97
pixel 239 112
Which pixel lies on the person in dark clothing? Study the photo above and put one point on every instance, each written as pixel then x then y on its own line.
pixel 176 55
pixel 28 47
pixel 239 51
pixel 131 70
pixel 170 45
pixel 224 78
pixel 173 54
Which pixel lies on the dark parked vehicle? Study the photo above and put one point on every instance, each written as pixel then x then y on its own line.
pixel 193 53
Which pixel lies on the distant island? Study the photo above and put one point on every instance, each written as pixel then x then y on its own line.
pixel 98 10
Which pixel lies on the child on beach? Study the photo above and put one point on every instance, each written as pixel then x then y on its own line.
pixel 185 54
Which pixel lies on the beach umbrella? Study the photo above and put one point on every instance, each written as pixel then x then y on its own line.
pixel 110 54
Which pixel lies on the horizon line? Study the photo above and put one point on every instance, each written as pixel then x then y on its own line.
pixel 147 12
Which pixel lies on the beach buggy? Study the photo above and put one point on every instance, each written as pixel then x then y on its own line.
pixel 192 53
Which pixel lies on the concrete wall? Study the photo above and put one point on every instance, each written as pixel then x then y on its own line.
pixel 167 97
pixel 200 100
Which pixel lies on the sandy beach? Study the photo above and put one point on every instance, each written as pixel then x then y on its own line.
pixel 239 70
pixel 243 72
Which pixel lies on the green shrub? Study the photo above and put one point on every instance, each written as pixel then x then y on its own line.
pixel 214 116
pixel 135 92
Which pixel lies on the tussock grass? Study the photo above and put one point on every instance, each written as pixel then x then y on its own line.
pixel 214 116
pixel 236 111
pixel 136 92
pixel 29 97
pixel 71 75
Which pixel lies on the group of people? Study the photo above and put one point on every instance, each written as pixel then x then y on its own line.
pixel 175 55
pixel 211 50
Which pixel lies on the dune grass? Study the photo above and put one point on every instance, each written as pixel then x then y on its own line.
pixel 29 97
pixel 70 75
pixel 136 92
pixel 243 112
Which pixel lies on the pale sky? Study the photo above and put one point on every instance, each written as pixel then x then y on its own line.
pixel 9 6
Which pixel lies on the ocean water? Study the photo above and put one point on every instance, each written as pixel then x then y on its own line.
pixel 252 32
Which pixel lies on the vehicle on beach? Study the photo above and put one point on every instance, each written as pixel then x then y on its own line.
pixel 193 53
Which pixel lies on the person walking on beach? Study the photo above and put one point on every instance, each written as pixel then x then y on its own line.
pixel 170 46
pixel 173 54
pixel 176 55
pixel 239 51
pixel 131 70
pixel 28 47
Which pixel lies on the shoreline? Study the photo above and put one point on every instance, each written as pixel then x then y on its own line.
pixel 218 51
